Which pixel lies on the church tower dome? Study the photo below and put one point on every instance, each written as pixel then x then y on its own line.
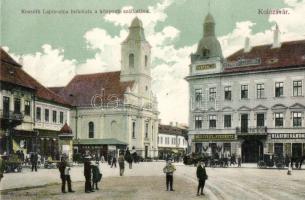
pixel 208 46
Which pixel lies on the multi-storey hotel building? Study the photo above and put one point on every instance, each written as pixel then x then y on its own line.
pixel 250 103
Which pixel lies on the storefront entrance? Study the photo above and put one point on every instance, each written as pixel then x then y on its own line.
pixel 251 150
pixel 296 150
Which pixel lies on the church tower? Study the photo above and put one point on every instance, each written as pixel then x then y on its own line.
pixel 135 59
pixel 208 57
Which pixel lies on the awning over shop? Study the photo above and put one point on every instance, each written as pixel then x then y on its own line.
pixel 106 141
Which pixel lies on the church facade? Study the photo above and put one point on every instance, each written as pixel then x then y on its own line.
pixel 250 103
pixel 116 110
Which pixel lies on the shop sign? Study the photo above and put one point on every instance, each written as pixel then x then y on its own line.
pixel 205 67
pixel 213 137
pixel 288 136
pixel 111 147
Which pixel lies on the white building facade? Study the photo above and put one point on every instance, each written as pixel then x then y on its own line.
pixel 116 110
pixel 172 140
pixel 249 104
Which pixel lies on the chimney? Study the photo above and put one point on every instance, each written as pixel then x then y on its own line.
pixel 171 123
pixel 247 47
pixel 177 124
pixel 276 37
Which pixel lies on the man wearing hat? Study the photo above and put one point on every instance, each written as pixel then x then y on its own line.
pixel 87 174
pixel 169 171
pixel 201 176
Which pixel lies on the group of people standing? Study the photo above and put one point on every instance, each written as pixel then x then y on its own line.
pixel 201 174
pixel 92 174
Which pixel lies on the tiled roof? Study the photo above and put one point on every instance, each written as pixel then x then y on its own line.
pixel 56 89
pixel 12 72
pixel 82 88
pixel 168 129
pixel 66 129
pixel 290 54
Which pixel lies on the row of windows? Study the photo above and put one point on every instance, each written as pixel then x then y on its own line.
pixel 131 60
pixel 146 131
pixel 173 141
pixel 244 91
pixel 260 120
pixel 47 115
pixel 17 106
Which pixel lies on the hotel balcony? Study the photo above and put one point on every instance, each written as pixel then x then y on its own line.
pixel 251 131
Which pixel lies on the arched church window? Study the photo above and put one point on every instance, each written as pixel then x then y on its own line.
pixel 131 60
pixel 146 60
pixel 91 129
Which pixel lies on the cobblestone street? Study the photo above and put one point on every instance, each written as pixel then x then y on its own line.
pixel 146 181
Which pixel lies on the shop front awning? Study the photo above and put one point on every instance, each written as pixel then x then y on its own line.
pixel 106 141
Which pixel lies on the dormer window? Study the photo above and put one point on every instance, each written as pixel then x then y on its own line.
pixel 131 60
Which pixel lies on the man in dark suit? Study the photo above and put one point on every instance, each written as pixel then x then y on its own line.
pixel 61 167
pixel 87 174
pixel 34 160
pixel 201 176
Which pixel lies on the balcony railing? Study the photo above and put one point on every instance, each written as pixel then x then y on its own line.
pixel 11 115
pixel 252 130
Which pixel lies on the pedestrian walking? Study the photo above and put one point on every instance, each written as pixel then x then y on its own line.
pixel 121 164
pixel 87 174
pixel 1 168
pixel 202 177
pixel 113 163
pixel 96 175
pixel 169 171
pixel 34 160
pixel 128 158
pixel 239 161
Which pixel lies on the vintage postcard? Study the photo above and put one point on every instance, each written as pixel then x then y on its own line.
pixel 152 99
